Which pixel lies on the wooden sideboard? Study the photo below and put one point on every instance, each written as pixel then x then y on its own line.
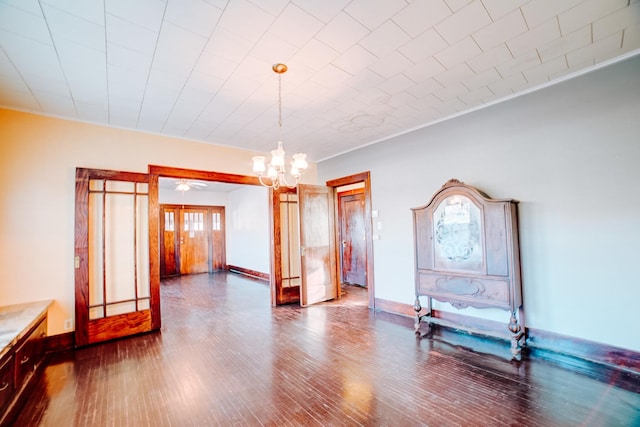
pixel 467 254
pixel 23 329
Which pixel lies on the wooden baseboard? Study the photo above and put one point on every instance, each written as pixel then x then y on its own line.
pixel 591 351
pixel 248 272
pixel 60 342
pixel 394 307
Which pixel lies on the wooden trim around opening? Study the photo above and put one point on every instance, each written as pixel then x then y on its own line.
pixel 171 172
pixel 364 177
pixel 248 272
pixel 604 354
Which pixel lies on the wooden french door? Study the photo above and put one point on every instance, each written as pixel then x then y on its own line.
pixel 353 249
pixel 317 245
pixel 286 242
pixel 116 293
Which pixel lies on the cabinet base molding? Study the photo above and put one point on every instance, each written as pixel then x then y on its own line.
pixel 538 341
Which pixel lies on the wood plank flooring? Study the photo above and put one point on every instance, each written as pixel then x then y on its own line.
pixel 225 357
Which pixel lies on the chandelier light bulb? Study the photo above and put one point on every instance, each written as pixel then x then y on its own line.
pixel 258 164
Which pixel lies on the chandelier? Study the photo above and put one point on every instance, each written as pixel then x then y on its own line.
pixel 274 174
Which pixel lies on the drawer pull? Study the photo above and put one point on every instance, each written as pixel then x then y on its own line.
pixel 4 386
pixel 24 360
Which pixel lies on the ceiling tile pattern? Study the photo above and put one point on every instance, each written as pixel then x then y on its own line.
pixel 360 71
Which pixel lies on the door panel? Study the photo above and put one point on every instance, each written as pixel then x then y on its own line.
pixel 218 254
pixel 353 250
pixel 317 245
pixel 168 237
pixel 114 290
pixel 194 246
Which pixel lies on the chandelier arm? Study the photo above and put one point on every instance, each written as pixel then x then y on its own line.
pixel 283 178
pixel 274 183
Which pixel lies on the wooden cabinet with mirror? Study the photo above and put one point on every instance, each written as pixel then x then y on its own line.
pixel 467 254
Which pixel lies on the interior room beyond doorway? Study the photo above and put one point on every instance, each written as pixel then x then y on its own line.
pixel 239 211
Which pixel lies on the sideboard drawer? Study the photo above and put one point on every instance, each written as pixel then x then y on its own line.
pixel 6 381
pixel 29 354
pixel 468 291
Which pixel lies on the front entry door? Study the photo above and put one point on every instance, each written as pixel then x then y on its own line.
pixel 115 293
pixel 194 248
pixel 317 245
pixel 192 239
pixel 353 250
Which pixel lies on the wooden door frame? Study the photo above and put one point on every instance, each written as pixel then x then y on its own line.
pixel 364 177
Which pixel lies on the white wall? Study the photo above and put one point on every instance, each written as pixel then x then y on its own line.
pixel 570 154
pixel 168 196
pixel 248 232
pixel 192 197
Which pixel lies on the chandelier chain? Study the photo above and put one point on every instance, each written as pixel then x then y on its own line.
pixel 280 106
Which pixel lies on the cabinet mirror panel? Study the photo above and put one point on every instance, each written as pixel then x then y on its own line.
pixel 457 225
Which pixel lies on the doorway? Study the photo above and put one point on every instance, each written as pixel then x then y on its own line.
pixel 192 239
pixel 292 250
pixel 243 252
pixel 355 214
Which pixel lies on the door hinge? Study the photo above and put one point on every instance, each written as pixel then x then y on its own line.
pixel 76 261
pixel 303 251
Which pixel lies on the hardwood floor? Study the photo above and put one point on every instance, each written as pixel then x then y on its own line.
pixel 225 357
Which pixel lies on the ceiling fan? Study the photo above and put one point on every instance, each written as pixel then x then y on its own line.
pixel 186 185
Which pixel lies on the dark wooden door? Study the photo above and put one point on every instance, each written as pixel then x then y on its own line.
pixel 217 237
pixel 193 241
pixel 317 245
pixel 116 293
pixel 353 249
pixel 169 241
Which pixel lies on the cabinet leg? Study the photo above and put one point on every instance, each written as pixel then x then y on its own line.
pixel 517 337
pixel 417 307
